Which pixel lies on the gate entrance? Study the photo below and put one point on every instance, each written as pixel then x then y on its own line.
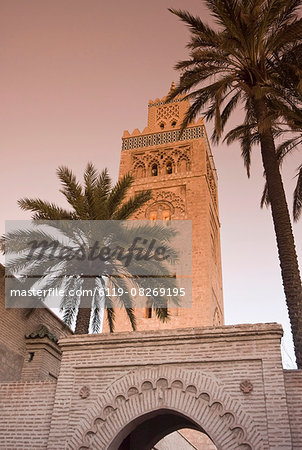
pixel 147 431
pixel 145 405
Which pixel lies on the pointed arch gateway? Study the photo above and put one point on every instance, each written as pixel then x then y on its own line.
pixel 187 396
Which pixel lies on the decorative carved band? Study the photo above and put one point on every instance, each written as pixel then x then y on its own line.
pixel 165 137
pixel 163 102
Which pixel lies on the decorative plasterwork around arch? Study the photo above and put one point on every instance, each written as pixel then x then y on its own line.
pixel 191 393
pixel 175 202
pixel 156 206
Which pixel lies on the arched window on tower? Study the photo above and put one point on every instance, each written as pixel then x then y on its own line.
pixel 139 171
pixel 166 216
pixel 169 168
pixel 154 170
pixel 160 211
pixel 183 165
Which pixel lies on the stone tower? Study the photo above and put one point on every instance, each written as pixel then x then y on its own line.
pixel 179 169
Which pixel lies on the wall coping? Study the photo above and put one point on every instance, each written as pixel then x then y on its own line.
pixel 45 344
pixel 228 332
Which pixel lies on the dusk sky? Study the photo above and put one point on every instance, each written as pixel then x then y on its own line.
pixel 74 75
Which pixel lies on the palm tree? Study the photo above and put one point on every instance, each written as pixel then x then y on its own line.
pixel 94 202
pixel 237 63
pixel 287 109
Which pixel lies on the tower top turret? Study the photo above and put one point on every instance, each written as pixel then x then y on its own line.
pixel 164 123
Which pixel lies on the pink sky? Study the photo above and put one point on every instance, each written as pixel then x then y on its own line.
pixel 74 75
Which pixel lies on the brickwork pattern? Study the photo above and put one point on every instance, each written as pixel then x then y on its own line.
pixel 188 391
pixel 225 355
pixel 43 362
pixel 25 417
pixel 293 385
pixel 14 325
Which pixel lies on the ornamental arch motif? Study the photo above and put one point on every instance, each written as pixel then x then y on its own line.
pixel 160 210
pixel 154 163
pixel 183 164
pixel 180 160
pixel 140 170
pixel 175 204
pixel 190 393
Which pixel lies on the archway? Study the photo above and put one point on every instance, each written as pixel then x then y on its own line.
pixel 194 399
pixel 148 430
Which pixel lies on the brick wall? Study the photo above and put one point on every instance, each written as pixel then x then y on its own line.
pixel 229 354
pixel 293 385
pixel 25 415
pixel 14 325
pixel 44 361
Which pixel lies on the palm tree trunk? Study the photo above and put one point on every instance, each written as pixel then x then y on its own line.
pixel 283 229
pixel 83 318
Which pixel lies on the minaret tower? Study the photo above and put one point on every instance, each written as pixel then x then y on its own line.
pixel 179 169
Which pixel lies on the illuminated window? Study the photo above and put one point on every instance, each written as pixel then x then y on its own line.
pixel 166 215
pixel 169 168
pixel 154 170
pixel 160 211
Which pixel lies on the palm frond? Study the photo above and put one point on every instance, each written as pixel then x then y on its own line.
pixel 132 205
pixel 101 193
pixel 45 210
pixel 72 190
pixel 90 183
pixel 264 198
pixel 118 193
pixel 297 205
